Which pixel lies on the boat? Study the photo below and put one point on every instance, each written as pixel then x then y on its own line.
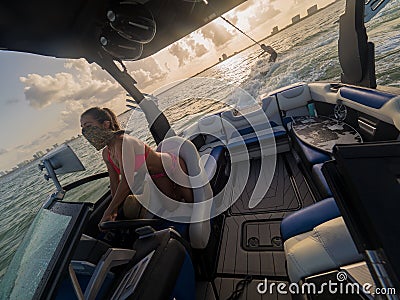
pixel 295 197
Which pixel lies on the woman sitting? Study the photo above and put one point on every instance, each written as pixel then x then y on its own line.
pixel 101 128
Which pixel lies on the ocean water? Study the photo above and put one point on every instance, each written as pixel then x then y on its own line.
pixel 306 52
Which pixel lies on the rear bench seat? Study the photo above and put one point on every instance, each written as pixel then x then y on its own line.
pixel 253 131
pixel 241 135
pixel 320 181
pixel 309 154
pixel 313 160
pixel 367 97
pixel 293 101
pixel 316 238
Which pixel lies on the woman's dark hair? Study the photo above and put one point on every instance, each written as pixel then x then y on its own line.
pixel 104 114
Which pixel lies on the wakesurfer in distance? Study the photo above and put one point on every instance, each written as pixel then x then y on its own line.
pixel 267 49
pixel 270 51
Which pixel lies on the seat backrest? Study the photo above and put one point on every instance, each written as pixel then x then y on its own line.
pixel 211 127
pixel 236 123
pixel 291 101
pixel 295 97
pixel 161 259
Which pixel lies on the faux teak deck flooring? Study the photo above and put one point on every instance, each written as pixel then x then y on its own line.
pixel 251 243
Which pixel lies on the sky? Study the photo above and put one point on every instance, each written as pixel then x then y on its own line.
pixel 42 97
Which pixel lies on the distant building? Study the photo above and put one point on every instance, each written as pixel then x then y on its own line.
pixel 275 30
pixel 312 10
pixel 211 17
pixel 296 19
pixel 224 56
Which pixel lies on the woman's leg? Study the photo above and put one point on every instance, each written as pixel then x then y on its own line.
pixel 179 174
pixel 166 186
pixel 184 192
pixel 131 207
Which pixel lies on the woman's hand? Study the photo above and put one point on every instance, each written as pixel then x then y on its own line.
pixel 108 216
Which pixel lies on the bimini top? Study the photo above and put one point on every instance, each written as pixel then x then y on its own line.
pixel 79 28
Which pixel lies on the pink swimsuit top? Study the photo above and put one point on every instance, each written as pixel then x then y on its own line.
pixel 140 159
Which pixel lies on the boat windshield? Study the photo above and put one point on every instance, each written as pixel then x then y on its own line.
pixel 89 192
pixel 34 256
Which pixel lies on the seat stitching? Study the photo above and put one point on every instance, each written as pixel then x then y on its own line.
pixel 323 245
pixel 296 263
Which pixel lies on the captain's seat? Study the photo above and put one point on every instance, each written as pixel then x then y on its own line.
pixel 196 216
pixel 317 240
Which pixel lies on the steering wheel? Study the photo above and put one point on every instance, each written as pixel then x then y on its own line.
pixel 123 233
pixel 129 224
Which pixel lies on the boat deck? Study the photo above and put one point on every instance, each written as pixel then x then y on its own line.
pixel 251 244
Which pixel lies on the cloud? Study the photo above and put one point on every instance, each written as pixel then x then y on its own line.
pixel 85 85
pixel 25 151
pixel 146 72
pixel 244 6
pixel 41 91
pixel 217 34
pixel 71 115
pixel 198 49
pixel 12 101
pixel 265 14
pixel 232 18
pixel 186 50
pixel 182 54
pixel 85 82
pixel 252 14
pixel 261 14
pixel 44 140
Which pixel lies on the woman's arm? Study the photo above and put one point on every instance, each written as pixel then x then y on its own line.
pixel 120 195
pixel 114 176
pixel 123 189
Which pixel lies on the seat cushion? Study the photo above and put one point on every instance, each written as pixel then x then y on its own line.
pixel 370 98
pixel 210 127
pixel 211 164
pixel 326 247
pixel 262 135
pixel 311 154
pixel 320 181
pixel 266 138
pixel 307 218
pixel 185 287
